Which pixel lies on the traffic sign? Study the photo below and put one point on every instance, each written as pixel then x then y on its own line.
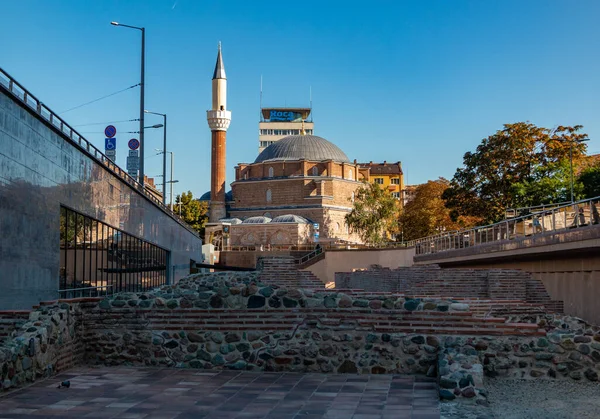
pixel 133 144
pixel 110 131
pixel 133 163
pixel 110 144
pixel 111 154
pixel 134 153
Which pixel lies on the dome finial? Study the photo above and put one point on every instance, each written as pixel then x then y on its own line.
pixel 302 130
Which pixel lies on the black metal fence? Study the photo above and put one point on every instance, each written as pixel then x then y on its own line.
pixel 98 259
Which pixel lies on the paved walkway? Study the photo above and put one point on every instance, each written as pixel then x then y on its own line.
pixel 148 393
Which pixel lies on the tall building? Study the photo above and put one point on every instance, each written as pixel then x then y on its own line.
pixel 218 120
pixel 277 123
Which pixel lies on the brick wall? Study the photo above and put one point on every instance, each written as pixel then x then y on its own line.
pixel 493 284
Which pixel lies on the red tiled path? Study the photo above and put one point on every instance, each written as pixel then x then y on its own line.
pixel 153 393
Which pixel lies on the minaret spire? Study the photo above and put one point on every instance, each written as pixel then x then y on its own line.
pixel 218 120
pixel 219 67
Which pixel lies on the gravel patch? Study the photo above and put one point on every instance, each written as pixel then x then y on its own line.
pixel 530 399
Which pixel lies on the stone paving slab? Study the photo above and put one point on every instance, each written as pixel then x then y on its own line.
pixel 153 393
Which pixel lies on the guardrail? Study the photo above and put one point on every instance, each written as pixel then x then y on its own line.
pixel 24 96
pixel 98 291
pixel 579 214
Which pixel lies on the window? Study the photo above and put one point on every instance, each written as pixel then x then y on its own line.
pixel 270 172
pixel 269 197
pixel 378 180
pixel 396 195
pixel 352 196
pixel 396 181
pixel 315 171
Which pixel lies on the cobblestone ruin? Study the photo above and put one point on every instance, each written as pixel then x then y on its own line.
pixel 249 321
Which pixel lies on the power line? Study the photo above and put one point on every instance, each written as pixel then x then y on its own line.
pixel 107 122
pixel 100 98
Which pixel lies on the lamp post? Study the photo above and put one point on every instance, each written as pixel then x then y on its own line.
pixel 170 181
pixel 150 126
pixel 571 158
pixel 164 188
pixel 142 85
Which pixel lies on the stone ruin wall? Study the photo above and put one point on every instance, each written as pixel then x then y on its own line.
pixel 232 321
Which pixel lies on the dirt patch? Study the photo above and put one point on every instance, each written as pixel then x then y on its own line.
pixel 530 399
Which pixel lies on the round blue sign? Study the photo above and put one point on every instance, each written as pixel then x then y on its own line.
pixel 110 131
pixel 133 144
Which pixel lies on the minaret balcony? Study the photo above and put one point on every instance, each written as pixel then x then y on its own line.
pixel 218 120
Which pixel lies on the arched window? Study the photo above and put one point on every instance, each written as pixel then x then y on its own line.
pixel 269 197
pixel 350 174
pixel 315 171
pixel 270 172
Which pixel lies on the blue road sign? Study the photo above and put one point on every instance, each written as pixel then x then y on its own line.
pixel 110 143
pixel 133 144
pixel 110 131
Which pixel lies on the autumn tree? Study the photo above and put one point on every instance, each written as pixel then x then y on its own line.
pixel 426 213
pixel 520 154
pixel 192 211
pixel 374 214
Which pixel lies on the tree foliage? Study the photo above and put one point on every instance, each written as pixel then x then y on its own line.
pixel 374 214
pixel 426 213
pixel 589 180
pixel 520 154
pixel 193 212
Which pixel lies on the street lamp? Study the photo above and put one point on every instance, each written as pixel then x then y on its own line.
pixel 142 85
pixel 164 115
pixel 151 126
pixel 571 158
pixel 164 179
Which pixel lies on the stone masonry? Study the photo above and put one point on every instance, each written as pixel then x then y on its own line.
pixel 234 320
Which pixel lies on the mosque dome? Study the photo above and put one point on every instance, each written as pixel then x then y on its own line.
pixel 290 218
pixel 233 221
pixel 257 220
pixel 297 147
pixel 206 196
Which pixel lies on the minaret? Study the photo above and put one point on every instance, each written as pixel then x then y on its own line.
pixel 218 121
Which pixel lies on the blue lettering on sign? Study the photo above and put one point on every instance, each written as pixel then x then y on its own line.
pixel 284 116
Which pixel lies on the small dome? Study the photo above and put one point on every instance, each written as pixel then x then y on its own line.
pixel 297 147
pixel 206 196
pixel 257 220
pixel 290 218
pixel 232 221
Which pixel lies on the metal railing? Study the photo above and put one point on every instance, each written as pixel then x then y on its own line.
pixel 98 291
pixel 24 96
pixel 582 213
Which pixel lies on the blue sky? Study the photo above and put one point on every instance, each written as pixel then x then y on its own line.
pixel 417 81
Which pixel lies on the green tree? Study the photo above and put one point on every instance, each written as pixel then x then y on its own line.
pixel 547 184
pixel 426 213
pixel 521 153
pixel 589 181
pixel 374 214
pixel 192 211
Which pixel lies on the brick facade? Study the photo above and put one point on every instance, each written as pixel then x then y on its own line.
pixel 322 192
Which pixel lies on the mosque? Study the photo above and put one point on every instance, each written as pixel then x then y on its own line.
pixel 296 192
